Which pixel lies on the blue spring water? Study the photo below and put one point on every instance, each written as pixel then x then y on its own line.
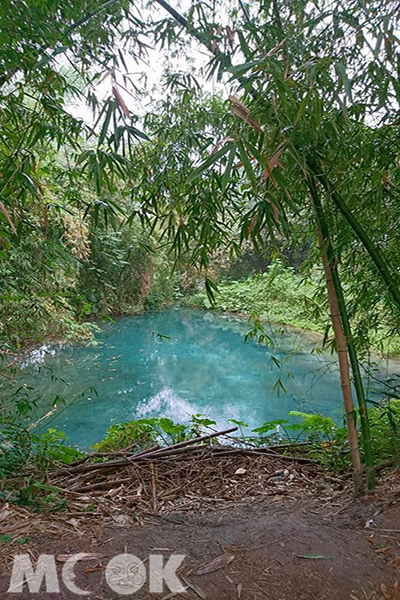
pixel 202 365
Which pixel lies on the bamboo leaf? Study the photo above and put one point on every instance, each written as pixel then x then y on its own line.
pixel 303 106
pixel 243 44
pixel 4 211
pixel 106 124
pixel 120 101
pixel 313 556
pixel 240 110
pixel 272 163
pixel 209 162
pixel 211 287
pixel 248 168
pixel 137 133
pixel 244 67
pixel 341 71
pixel 217 563
pixel 227 175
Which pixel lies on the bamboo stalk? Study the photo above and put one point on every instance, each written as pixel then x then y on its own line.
pixel 126 461
pixel 342 347
pixel 170 452
pixel 344 370
pixel 153 486
pixel 355 367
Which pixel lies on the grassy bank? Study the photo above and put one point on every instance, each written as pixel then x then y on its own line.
pixel 280 296
pixel 283 296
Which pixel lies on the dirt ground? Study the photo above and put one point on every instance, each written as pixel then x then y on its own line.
pixel 286 549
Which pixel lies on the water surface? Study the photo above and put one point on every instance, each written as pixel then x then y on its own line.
pixel 202 365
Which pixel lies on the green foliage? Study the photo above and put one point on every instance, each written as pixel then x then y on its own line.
pixel 20 449
pixel 39 274
pixel 283 296
pixel 51 447
pixel 328 440
pixel 175 432
pixel 268 426
pixel 385 430
pixel 136 434
pixel 124 274
pixel 199 424
pixel 64 183
pixel 146 432
pixel 314 424
pixel 66 270
pixel 240 424
pixel 36 38
pixel 279 295
pixel 24 460
pixel 257 332
pixel 15 449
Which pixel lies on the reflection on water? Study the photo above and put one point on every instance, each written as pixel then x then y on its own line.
pixel 205 367
pixel 38 356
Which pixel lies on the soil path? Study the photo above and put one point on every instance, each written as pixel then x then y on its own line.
pixel 275 548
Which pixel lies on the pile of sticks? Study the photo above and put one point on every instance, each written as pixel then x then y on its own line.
pixel 183 475
pixel 194 446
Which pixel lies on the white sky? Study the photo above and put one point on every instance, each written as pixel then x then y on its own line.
pixel 153 66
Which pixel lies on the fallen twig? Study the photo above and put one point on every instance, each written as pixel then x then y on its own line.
pixel 201 438
pixel 145 454
pixel 244 452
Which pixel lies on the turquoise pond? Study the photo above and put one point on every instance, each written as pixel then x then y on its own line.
pixel 204 367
